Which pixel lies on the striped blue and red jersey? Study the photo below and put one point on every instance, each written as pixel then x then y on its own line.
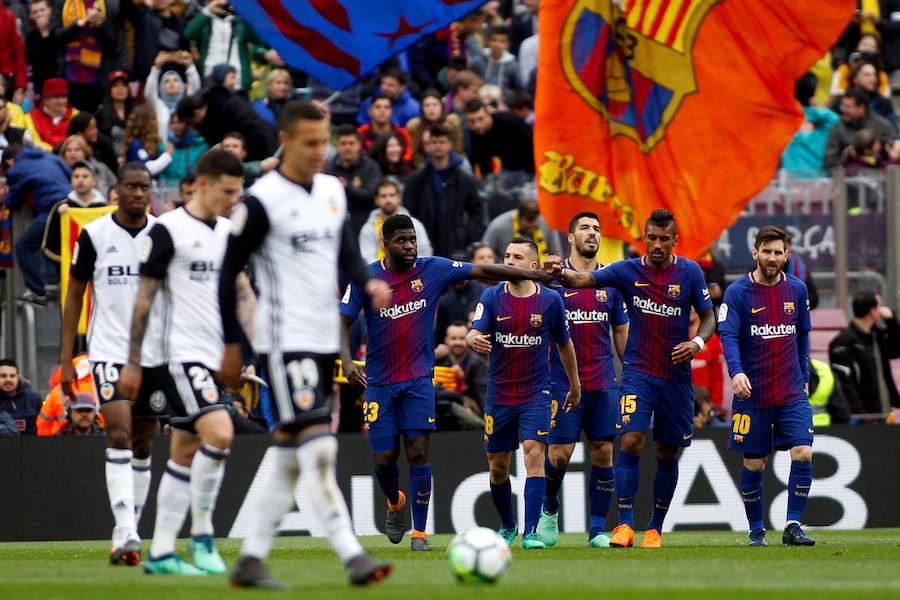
pixel 400 343
pixel 659 305
pixel 521 331
pixel 765 333
pixel 591 314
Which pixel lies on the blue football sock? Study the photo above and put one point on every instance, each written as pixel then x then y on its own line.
pixel 663 489
pixel 627 475
pixel 420 494
pixel 535 488
pixel 501 494
pixel 799 483
pixel 389 481
pixel 554 482
pixel 752 492
pixel 603 485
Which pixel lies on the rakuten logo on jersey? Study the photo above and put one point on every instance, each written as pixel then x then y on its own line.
pixel 770 332
pixel 580 316
pixel 511 340
pixel 651 307
pixel 402 310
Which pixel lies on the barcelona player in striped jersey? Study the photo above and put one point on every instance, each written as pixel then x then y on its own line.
pixel 592 315
pixel 659 289
pixel 399 397
pixel 515 323
pixel 764 325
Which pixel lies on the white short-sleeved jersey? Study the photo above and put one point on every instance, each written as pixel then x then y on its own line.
pixel 296 264
pixel 186 253
pixel 107 255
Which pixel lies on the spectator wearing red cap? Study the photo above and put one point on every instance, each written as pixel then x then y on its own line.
pixel 12 56
pixel 48 122
pixel 86 42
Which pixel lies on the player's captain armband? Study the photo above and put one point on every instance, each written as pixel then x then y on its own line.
pixel 723 313
pixel 75 253
pixel 346 298
pixel 238 219
pixel 146 248
pixel 479 311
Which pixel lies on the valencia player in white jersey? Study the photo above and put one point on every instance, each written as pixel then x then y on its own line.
pixel 107 256
pixel 181 261
pixel 293 228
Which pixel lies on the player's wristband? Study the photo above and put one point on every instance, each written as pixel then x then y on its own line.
pixel 699 341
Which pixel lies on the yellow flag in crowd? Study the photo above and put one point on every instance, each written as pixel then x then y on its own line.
pixel 71 224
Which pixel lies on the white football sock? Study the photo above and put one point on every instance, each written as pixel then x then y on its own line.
pixel 318 456
pixel 120 487
pixel 140 468
pixel 275 500
pixel 172 501
pixel 207 471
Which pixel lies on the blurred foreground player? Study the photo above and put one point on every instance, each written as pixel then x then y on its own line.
pixel 764 325
pixel 294 229
pixel 515 323
pixel 659 290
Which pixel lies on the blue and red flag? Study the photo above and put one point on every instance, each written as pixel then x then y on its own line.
pixel 339 41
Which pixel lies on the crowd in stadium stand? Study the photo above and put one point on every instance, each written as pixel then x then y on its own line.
pixel 442 132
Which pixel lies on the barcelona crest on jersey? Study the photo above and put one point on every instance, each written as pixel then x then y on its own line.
pixel 536 320
pixel 417 285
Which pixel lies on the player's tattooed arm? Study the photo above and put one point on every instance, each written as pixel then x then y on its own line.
pixel 130 377
pixel 146 293
pixel 246 305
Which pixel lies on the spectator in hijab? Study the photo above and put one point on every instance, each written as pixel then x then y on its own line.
pixel 164 89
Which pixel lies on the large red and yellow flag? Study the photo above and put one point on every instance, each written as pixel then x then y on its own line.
pixel 71 223
pixel 683 104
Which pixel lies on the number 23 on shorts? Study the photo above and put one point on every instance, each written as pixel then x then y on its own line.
pixel 370 411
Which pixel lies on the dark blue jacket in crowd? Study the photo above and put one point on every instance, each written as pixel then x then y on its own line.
pixel 23 406
pixel 40 178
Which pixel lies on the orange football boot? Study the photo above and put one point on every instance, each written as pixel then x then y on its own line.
pixel 623 537
pixel 652 539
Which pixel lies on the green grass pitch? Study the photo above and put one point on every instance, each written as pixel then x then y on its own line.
pixel 710 564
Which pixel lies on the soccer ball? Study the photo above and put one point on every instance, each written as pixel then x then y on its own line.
pixel 478 556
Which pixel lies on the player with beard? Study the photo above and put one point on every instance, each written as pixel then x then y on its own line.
pixel 764 325
pixel 399 397
pixel 593 315
pixel 659 290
